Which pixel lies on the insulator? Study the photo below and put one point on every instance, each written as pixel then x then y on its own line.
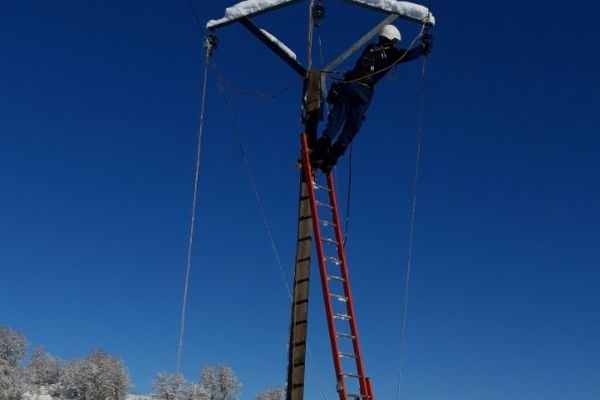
pixel 318 12
pixel 211 42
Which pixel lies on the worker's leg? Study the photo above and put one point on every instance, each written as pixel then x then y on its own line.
pixel 359 100
pixel 337 117
pixel 335 124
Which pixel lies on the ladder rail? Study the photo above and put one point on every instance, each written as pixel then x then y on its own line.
pixel 323 273
pixel 349 317
pixel 364 387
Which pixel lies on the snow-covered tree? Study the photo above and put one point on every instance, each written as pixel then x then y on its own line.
pixel 12 346
pixel 274 393
pixel 43 369
pixel 169 386
pixel 12 350
pixel 219 382
pixel 12 383
pixel 67 380
pixel 195 391
pixel 99 376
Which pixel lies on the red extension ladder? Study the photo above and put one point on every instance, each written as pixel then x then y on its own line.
pixel 352 382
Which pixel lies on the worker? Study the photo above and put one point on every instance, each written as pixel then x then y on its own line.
pixel 351 97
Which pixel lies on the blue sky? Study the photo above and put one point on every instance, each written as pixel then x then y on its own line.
pixel 98 122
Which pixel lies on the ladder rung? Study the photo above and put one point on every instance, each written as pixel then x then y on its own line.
pixel 317 186
pixel 339 297
pixel 347 355
pixel 344 317
pixel 336 278
pixel 345 335
pixel 330 241
pixel 350 375
pixel 320 203
pixel 355 396
pixel 333 260
pixel 324 222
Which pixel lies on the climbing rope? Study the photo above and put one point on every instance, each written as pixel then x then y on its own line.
pixel 257 197
pixel 263 214
pixel 193 213
pixel 411 229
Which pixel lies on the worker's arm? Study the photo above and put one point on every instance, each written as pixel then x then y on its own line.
pixel 409 55
pixel 422 49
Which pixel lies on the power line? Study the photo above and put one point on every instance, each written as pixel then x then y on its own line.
pixel 195 13
pixel 193 214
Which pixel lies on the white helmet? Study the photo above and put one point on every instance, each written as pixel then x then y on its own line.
pixel 390 32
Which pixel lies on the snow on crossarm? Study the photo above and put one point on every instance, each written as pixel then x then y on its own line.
pixel 404 9
pixel 247 8
pixel 279 44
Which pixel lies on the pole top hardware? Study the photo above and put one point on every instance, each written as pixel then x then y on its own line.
pixel 210 43
pixel 318 13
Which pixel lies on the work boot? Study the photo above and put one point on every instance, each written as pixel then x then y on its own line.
pixel 335 152
pixel 320 152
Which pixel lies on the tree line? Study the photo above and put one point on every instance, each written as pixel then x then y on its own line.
pixel 101 376
pixel 216 382
pixel 97 376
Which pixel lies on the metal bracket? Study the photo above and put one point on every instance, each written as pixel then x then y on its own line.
pixel 296 66
pixel 312 104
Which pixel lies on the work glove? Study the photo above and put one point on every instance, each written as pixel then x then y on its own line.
pixel 427 43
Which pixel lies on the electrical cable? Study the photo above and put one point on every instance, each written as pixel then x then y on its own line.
pixel 246 92
pixel 193 215
pixel 194 200
pixel 195 13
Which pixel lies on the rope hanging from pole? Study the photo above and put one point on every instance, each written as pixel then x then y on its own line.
pixel 412 221
pixel 248 92
pixel 255 191
pixel 263 213
pixel 209 44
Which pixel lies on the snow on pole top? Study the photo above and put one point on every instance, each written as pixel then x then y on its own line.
pixel 404 9
pixel 245 9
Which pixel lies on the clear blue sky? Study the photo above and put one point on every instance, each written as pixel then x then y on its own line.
pixel 98 121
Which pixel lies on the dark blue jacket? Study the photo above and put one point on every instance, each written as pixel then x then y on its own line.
pixel 377 60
